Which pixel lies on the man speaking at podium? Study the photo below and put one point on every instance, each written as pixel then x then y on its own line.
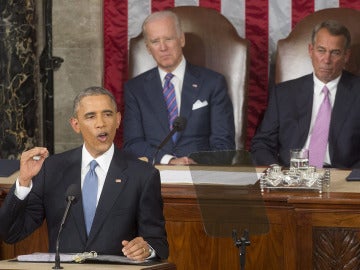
pixel 119 209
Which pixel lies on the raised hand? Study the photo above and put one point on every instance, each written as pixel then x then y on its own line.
pixel 31 162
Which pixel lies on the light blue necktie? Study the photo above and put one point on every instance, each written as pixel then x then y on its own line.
pixel 89 195
pixel 170 99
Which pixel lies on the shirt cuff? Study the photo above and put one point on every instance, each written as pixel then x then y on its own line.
pixel 152 253
pixel 20 191
pixel 166 159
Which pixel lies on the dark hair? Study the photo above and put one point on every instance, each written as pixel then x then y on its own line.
pixel 335 28
pixel 92 91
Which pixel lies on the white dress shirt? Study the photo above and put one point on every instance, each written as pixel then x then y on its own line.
pixel 101 170
pixel 177 81
pixel 317 100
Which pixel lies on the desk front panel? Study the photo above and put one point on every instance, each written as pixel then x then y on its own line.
pixel 307 231
pixel 192 248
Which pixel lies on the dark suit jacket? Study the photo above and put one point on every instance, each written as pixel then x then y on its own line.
pixel 210 127
pixel 126 209
pixel 287 119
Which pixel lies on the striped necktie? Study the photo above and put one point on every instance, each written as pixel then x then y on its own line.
pixel 170 99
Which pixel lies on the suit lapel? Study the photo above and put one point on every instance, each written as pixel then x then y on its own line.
pixel 343 104
pixel 73 171
pixel 190 91
pixel 153 90
pixel 304 100
pixel 114 184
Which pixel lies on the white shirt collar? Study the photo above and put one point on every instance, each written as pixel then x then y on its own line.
pixel 103 160
pixel 178 72
pixel 332 85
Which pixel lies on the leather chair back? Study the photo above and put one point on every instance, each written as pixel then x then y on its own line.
pixel 213 42
pixel 292 58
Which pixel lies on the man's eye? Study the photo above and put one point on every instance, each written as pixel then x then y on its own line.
pixel 336 53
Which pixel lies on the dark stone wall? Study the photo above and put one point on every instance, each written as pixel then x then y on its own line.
pixel 19 122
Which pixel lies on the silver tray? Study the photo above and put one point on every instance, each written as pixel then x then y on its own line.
pixel 306 178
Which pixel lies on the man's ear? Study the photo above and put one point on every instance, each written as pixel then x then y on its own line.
pixel 75 124
pixel 347 55
pixel 310 49
pixel 118 119
pixel 182 40
pixel 148 48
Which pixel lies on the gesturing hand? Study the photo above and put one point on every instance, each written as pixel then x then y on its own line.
pixel 31 162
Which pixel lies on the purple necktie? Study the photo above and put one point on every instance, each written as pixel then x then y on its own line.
pixel 320 133
pixel 170 99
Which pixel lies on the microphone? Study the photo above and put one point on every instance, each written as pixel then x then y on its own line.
pixel 179 124
pixel 72 195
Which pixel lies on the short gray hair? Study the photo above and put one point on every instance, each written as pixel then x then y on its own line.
pixel 335 28
pixel 163 14
pixel 92 91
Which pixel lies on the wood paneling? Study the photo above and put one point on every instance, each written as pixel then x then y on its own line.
pixel 307 231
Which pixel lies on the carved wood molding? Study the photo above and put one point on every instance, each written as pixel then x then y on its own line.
pixel 336 248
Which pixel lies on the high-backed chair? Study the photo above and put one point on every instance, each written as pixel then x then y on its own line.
pixel 292 58
pixel 210 41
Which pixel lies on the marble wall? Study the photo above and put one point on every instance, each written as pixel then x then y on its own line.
pixel 19 95
pixel 77 39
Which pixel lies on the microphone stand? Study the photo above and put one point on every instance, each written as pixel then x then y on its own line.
pixel 241 245
pixel 161 145
pixel 178 125
pixel 70 199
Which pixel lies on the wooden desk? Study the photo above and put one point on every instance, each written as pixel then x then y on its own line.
pixel 76 266
pixel 307 231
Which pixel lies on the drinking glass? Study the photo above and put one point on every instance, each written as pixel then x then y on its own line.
pixel 299 159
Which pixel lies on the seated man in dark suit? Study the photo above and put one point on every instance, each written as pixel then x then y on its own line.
pixel 319 111
pixel 195 93
pixel 123 217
